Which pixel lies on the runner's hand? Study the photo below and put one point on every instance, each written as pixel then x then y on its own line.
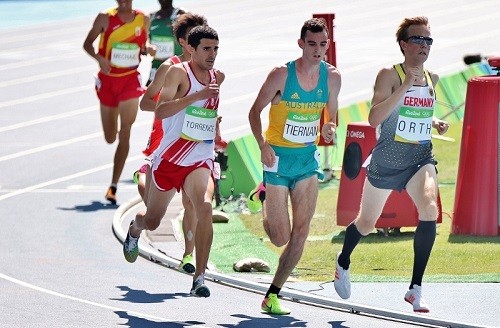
pixel 412 76
pixel 441 126
pixel 210 91
pixel 104 64
pixel 267 155
pixel 328 131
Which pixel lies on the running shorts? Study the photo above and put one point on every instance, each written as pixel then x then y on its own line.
pixel 395 179
pixel 294 165
pixel 111 90
pixel 167 175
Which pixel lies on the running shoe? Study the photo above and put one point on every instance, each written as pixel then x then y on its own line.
pixel 135 177
pixel 111 195
pixel 414 297
pixel 342 281
pixel 186 264
pixel 259 193
pixel 272 305
pixel 199 288
pixel 131 247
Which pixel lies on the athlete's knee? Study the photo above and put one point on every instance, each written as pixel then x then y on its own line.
pixel 364 226
pixel 278 237
pixel 279 240
pixel 153 224
pixel 429 211
pixel 110 137
pixel 201 209
pixel 300 232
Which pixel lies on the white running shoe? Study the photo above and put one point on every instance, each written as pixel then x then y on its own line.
pixel 414 297
pixel 199 288
pixel 342 281
pixel 131 246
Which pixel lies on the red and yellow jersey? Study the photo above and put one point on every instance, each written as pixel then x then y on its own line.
pixel 122 42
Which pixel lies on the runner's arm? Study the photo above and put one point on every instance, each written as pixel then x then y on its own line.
pixel 334 84
pixel 100 24
pixel 148 103
pixel 273 85
pixel 384 99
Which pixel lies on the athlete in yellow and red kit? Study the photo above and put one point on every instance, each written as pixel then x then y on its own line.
pixel 123 33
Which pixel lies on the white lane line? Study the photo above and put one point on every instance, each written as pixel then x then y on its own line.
pixel 65 178
pixel 81 300
pixel 62 143
pixel 49 118
pixel 50 146
pixel 46 95
pixel 90 188
pixel 47 34
pixel 50 75
pixel 38 61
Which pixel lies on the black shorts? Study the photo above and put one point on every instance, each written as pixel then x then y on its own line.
pixel 395 179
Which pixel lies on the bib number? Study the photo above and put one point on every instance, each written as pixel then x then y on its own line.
pixel 414 125
pixel 199 124
pixel 164 46
pixel 125 55
pixel 301 128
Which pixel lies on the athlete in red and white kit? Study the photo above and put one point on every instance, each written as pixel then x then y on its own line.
pixel 185 158
pixel 181 27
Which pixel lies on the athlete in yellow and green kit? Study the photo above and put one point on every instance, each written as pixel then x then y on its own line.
pixel 298 92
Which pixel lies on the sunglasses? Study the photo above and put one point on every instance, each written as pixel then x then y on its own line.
pixel 418 39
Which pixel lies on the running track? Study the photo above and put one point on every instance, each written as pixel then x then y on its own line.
pixel 60 265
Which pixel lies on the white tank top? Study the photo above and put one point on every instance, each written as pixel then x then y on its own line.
pixel 179 148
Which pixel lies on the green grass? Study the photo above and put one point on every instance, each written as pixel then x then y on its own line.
pixel 233 242
pixel 377 258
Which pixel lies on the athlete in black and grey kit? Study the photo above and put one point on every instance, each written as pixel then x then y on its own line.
pixel 403 145
pixel 402 108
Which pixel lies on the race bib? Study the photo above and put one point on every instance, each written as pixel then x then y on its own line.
pixel 301 128
pixel 125 54
pixel 199 124
pixel 414 125
pixel 216 171
pixel 164 46
pixel 273 168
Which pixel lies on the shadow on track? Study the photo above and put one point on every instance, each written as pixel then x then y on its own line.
pixel 94 206
pixel 137 322
pixel 141 296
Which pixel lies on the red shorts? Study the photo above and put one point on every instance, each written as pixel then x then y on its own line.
pixel 111 90
pixel 167 175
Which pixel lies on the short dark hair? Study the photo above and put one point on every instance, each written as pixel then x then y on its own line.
pixel 315 25
pixel 186 21
pixel 201 32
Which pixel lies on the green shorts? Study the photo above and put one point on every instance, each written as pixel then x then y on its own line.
pixel 294 164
